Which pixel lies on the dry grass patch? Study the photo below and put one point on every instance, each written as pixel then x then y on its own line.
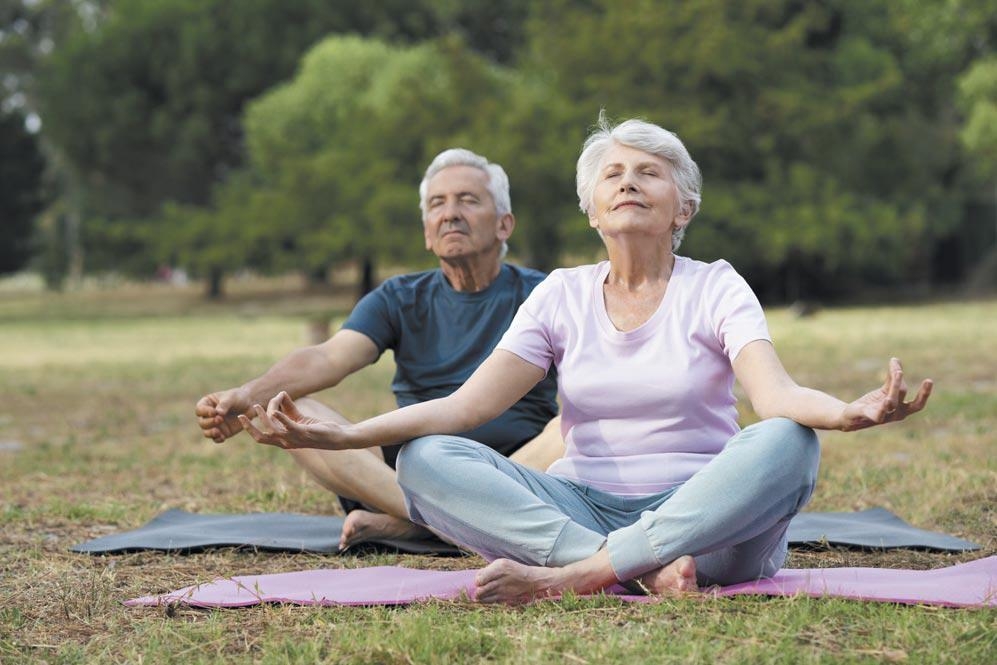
pixel 98 436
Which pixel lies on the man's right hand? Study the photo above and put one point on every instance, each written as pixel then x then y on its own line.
pixel 218 413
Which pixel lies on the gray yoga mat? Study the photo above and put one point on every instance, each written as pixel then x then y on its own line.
pixel 875 528
pixel 180 531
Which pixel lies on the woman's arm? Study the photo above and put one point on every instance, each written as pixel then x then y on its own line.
pixel 773 393
pixel 496 385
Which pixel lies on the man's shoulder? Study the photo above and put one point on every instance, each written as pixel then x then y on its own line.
pixel 527 276
pixel 411 281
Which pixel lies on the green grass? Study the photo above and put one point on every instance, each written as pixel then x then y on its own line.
pixel 96 398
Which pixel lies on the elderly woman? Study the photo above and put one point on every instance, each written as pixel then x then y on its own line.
pixel 659 489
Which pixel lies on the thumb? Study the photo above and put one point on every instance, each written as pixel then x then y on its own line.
pixel 224 405
pixel 289 407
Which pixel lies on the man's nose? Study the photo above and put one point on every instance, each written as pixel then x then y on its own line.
pixel 450 211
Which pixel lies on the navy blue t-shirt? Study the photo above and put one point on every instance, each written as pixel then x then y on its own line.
pixel 439 337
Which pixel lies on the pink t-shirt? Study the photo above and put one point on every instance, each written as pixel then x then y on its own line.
pixel 642 410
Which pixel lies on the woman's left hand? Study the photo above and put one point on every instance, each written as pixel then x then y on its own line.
pixel 885 404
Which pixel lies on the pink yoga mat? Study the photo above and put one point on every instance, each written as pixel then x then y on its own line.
pixel 972 584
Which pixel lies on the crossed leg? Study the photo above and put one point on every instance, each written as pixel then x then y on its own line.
pixel 545 536
pixel 362 475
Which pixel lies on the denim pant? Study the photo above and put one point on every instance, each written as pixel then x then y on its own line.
pixel 731 516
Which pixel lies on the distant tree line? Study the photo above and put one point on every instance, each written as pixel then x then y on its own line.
pixel 846 145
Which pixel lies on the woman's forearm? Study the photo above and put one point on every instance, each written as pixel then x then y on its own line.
pixel 501 380
pixel 806 406
pixel 438 416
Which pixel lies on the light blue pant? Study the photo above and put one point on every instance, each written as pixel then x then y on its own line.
pixel 731 516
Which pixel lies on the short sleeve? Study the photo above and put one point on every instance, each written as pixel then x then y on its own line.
pixel 738 318
pixel 529 335
pixel 373 317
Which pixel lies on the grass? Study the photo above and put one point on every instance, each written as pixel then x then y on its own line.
pixel 97 435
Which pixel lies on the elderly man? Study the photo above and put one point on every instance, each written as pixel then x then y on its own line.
pixel 440 324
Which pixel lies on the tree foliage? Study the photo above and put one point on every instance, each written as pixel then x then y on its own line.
pixel 21 197
pixel 827 131
pixel 149 105
pixel 799 114
pixel 336 154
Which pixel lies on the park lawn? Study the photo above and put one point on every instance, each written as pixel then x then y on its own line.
pixel 97 435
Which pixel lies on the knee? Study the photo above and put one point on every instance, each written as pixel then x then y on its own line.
pixel 790 445
pixel 422 461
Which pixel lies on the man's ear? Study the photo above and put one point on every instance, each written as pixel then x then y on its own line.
pixel 506 225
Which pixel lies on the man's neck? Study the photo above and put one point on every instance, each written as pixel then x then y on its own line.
pixel 471 276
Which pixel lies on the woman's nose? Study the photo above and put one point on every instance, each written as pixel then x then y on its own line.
pixel 627 183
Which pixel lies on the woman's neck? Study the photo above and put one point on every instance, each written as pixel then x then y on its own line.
pixel 636 263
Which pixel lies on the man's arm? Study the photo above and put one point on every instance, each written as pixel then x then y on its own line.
pixel 301 372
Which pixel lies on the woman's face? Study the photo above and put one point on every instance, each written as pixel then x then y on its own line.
pixel 635 193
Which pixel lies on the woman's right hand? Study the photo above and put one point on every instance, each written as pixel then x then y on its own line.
pixel 281 424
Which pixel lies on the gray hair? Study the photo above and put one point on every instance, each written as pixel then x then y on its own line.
pixel 497 185
pixel 651 139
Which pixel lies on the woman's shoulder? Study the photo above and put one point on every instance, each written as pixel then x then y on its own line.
pixel 704 268
pixel 578 274
pixel 569 283
pixel 711 272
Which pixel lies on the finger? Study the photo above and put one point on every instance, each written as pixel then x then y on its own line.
pixel 251 428
pixel 923 393
pixel 223 406
pixel 258 435
pixel 902 395
pixel 894 382
pixel 286 421
pixel 289 407
pixel 204 407
pixel 266 424
pixel 274 404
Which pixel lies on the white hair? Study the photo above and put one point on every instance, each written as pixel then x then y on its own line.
pixel 651 139
pixel 497 181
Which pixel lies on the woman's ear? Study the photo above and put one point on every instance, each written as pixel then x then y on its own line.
pixel 684 215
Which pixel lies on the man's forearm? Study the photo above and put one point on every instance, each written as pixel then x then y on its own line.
pixel 301 372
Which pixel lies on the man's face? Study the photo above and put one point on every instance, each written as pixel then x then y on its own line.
pixel 461 221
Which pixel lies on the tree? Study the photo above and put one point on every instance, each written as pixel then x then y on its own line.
pixel 150 104
pixel 29 32
pixel 335 155
pixel 978 95
pixel 147 106
pixel 21 198
pixel 824 155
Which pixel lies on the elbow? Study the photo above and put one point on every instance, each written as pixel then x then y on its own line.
pixel 768 408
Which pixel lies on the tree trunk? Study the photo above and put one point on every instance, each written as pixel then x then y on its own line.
pixel 367 280
pixel 215 282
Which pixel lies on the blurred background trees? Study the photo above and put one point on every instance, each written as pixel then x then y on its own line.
pixel 848 146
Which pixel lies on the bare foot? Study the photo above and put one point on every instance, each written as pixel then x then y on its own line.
pixel 363 525
pixel 505 581
pixel 675 579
